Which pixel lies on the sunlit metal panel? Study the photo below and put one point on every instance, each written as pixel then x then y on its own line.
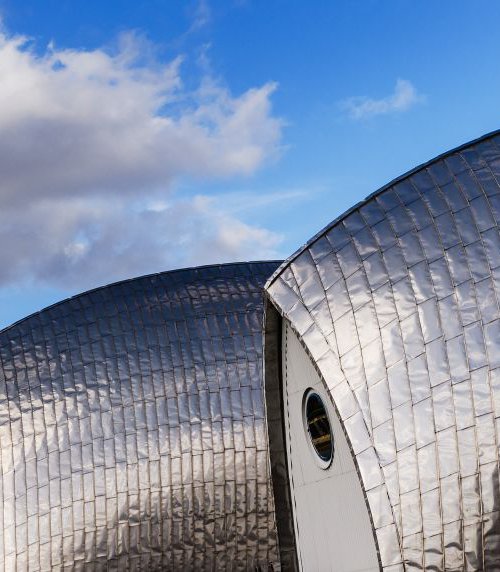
pixel 397 303
pixel 132 428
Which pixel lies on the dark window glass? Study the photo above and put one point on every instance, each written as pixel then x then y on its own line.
pixel 318 426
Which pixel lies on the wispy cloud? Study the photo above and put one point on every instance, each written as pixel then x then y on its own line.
pixel 78 244
pixel 202 15
pixel 404 97
pixel 89 137
pixel 250 201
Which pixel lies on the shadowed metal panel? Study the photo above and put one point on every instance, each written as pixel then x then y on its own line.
pixel 330 512
pixel 274 401
pixel 397 302
pixel 132 429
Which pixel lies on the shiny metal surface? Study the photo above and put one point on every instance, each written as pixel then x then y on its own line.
pixel 132 428
pixel 397 303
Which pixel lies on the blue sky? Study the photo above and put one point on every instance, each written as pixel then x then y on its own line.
pixel 147 135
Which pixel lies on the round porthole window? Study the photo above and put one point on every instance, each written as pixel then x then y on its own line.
pixel 318 428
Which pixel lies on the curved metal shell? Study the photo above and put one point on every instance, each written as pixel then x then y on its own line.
pixel 397 303
pixel 132 428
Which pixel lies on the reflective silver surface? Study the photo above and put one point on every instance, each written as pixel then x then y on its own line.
pixel 132 428
pixel 397 303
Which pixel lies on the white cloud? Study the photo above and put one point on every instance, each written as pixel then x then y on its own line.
pixel 78 244
pixel 202 16
pixel 87 138
pixel 404 97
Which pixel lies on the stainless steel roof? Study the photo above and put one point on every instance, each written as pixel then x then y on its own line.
pixel 132 430
pixel 397 303
pixel 407 175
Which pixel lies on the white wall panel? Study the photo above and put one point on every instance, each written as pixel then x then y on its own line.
pixel 332 525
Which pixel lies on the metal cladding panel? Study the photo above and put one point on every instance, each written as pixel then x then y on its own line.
pixel 397 302
pixel 132 428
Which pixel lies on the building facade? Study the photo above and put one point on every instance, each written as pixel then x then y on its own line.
pixel 132 428
pixel 382 360
pixel 344 417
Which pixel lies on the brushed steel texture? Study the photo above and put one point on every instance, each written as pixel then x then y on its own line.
pixel 132 428
pixel 397 303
